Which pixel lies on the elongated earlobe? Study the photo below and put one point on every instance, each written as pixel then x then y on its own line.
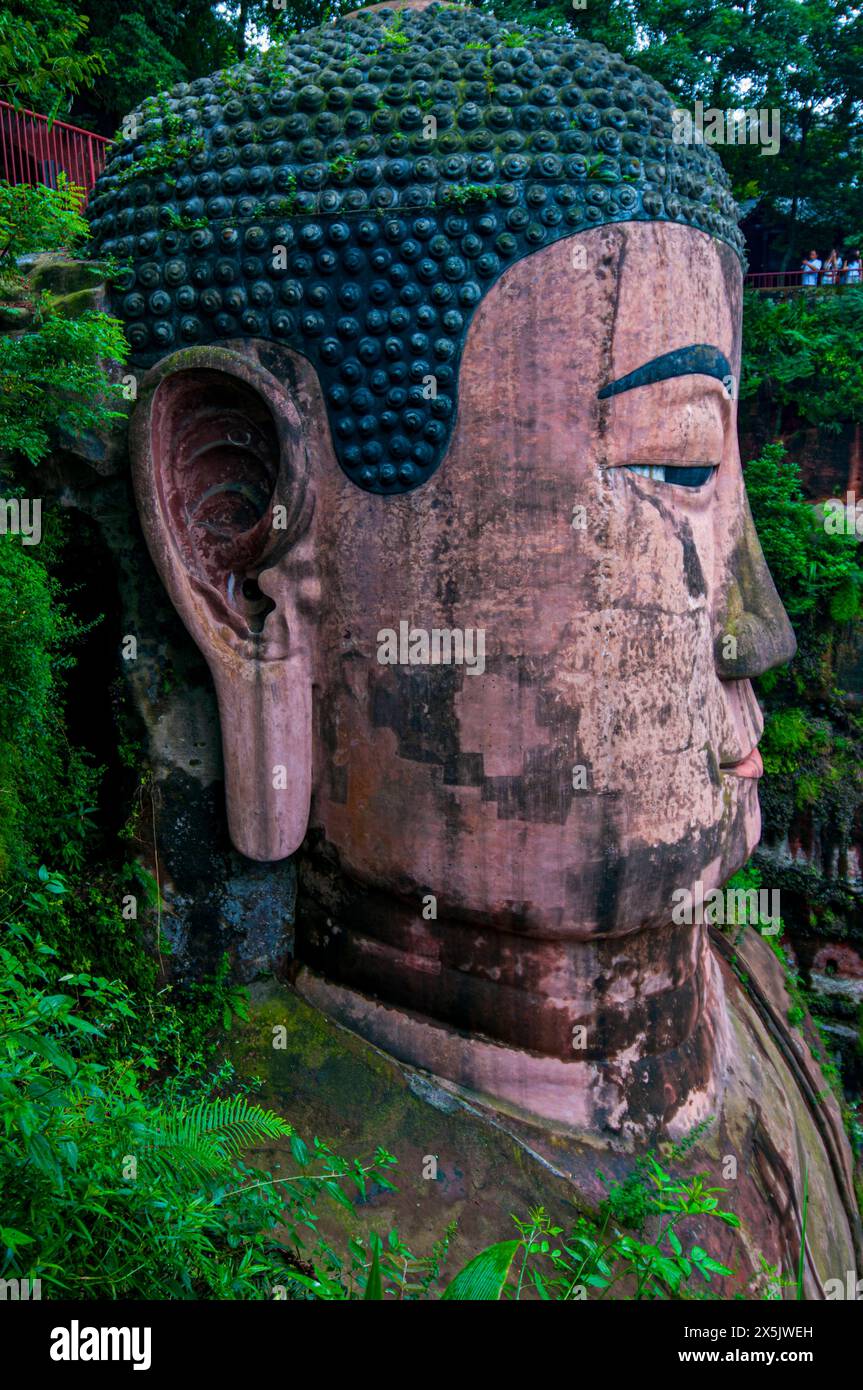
pixel 222 481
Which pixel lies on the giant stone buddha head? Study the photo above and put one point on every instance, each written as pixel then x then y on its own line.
pixel 436 455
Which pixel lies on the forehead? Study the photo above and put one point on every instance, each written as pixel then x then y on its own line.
pixel 675 287
pixel 575 317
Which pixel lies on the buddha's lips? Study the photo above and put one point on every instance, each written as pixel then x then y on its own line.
pixel 750 766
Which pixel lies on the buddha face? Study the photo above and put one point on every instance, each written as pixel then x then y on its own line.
pixel 524 687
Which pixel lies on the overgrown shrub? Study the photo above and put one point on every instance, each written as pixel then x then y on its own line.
pixel 116 1186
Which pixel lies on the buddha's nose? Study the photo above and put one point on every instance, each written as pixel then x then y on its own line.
pixel 753 633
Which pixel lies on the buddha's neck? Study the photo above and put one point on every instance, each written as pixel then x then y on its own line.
pixel 620 1035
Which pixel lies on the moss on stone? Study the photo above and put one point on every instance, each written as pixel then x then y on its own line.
pixel 72 306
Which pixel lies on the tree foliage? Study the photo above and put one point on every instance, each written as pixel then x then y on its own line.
pixel 45 54
pixel 816 573
pixel 51 379
pixel 804 351
pixel 813 738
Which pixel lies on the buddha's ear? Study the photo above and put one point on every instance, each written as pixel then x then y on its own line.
pixel 221 472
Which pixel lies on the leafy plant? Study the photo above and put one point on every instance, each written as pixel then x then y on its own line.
pixel 463 194
pixel 205 1136
pixel 483 1278
pixel 184 223
pixel 342 165
pixel 809 565
pixel 41 63
pixel 394 34
pixel 52 376
pixel 38 218
pixel 40 776
pixel 177 144
pixel 595 1257
pixel 52 379
pixel 112 1187
pixel 787 733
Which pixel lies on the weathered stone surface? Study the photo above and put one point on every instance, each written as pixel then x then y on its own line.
pixel 332 1084
pixel 493 1163
pixel 14 317
pixel 55 273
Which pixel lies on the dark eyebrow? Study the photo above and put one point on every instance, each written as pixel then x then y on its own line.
pixel 699 359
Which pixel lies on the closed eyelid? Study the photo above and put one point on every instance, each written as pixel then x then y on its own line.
pixel 688 421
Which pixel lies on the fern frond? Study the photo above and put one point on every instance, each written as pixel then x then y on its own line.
pixel 205 1139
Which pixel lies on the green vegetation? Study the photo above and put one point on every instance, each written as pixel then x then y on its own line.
pixel 121 1181
pixel 803 351
pixel 50 379
pixel 463 194
pixel 184 224
pixel 808 734
pixel 750 878
pixel 118 1182
pixel 32 219
pixel 612 1252
pixel 394 33
pixel 51 375
pixel 818 574
pixel 44 56
pixel 178 143
pixel 36 765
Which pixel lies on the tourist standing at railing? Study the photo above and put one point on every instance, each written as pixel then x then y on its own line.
pixel 810 267
pixel 832 268
pixel 852 272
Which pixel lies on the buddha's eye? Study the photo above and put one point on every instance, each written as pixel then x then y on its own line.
pixel 678 476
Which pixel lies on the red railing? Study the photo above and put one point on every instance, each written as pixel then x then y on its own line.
pixel 793 280
pixel 34 150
